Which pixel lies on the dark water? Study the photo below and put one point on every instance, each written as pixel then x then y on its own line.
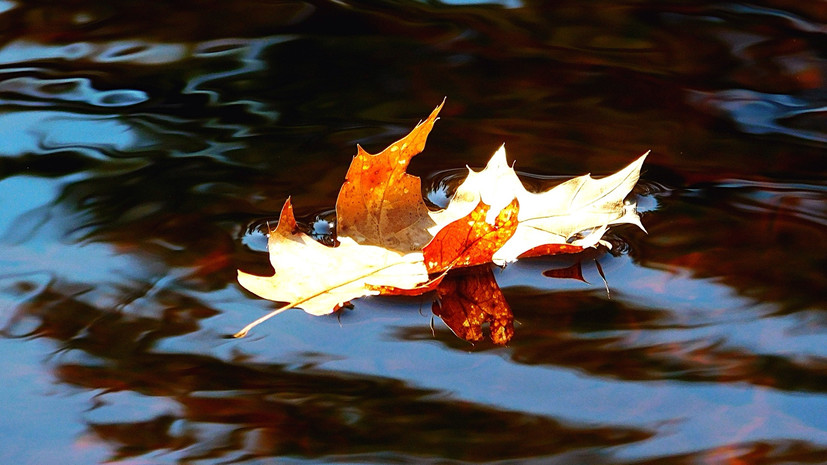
pixel 141 143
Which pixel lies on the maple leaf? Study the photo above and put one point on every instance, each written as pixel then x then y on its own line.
pixel 471 297
pixel 380 203
pixel 471 240
pixel 390 243
pixel 576 212
pixel 319 279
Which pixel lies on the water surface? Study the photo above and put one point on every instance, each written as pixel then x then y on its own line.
pixel 143 145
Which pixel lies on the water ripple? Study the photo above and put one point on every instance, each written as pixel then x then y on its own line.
pixel 796 21
pixel 52 91
pixel 25 132
pixel 763 113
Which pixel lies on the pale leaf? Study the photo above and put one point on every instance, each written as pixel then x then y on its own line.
pixel 318 279
pixel 576 212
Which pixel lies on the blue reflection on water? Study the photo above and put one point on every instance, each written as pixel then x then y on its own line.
pixel 26 132
pixel 762 113
pixel 31 400
pixel 70 90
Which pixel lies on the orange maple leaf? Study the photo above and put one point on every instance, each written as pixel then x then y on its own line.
pixel 380 203
pixel 471 240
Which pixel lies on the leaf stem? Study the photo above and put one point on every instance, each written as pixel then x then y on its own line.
pixel 266 317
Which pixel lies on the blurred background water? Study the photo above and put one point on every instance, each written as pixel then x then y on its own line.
pixel 143 143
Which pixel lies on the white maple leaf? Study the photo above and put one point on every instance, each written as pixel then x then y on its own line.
pixel 576 212
pixel 319 279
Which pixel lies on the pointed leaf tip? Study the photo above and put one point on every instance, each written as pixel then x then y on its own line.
pixel 287 222
pixel 380 203
pixel 498 160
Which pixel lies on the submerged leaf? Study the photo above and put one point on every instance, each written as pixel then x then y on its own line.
pixel 574 271
pixel 470 298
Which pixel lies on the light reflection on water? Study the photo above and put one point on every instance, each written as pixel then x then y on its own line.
pixel 135 171
pixel 27 132
pixel 757 113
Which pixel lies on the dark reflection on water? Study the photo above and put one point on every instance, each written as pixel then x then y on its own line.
pixel 144 146
pixel 763 239
pixel 600 337
pixel 270 409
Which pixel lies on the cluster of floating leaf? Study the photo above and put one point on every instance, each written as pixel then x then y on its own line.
pixel 390 243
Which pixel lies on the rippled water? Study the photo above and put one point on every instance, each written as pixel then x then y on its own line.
pixel 142 145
